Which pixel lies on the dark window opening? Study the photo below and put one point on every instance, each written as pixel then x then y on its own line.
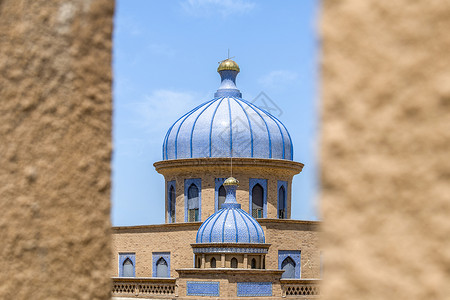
pixel 234 263
pixel 258 201
pixel 222 196
pixel 281 203
pixel 172 204
pixel 253 263
pixel 193 204
pixel 213 262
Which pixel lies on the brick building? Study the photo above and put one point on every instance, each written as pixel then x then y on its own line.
pixel 223 237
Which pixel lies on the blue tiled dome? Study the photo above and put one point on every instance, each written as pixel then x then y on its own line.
pixel 227 126
pixel 230 224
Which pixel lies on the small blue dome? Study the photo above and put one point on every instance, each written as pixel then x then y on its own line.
pixel 227 126
pixel 231 224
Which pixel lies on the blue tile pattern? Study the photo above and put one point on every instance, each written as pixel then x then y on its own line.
pixel 227 126
pixel 254 289
pixel 295 255
pixel 187 184
pixel 122 258
pixel 263 183
pixel 229 250
pixel 231 224
pixel 279 185
pixel 156 256
pixel 203 288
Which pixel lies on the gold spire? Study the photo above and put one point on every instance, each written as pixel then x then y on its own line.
pixel 231 181
pixel 228 64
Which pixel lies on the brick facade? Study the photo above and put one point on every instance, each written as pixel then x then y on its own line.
pixel 177 239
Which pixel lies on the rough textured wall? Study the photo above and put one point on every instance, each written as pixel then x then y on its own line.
pixel 385 149
pixel 55 150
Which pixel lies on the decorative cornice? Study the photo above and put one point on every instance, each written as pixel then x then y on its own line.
pixel 268 223
pixel 231 245
pixel 223 164
pixel 145 279
pixel 229 271
pixel 157 227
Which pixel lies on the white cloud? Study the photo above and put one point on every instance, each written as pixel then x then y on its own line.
pixel 224 8
pixel 162 108
pixel 279 77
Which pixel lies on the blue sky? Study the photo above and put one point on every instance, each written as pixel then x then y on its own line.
pixel 165 57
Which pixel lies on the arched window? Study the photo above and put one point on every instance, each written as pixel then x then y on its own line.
pixel 281 203
pixel 253 263
pixel 257 201
pixel 128 268
pixel 162 269
pixel 288 265
pixel 222 196
pixel 193 203
pixel 213 262
pixel 172 204
pixel 234 262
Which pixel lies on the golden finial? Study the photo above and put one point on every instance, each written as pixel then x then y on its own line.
pixel 228 64
pixel 231 181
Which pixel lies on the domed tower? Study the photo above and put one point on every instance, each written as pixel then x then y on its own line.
pixel 230 238
pixel 201 146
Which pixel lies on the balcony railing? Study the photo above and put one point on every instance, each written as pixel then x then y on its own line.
pixel 308 288
pixel 144 287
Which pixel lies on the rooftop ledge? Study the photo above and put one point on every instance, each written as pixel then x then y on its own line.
pixel 230 245
pixel 229 270
pixel 196 225
pixel 219 163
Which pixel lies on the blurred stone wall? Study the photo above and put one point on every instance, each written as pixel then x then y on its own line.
pixel 55 149
pixel 385 155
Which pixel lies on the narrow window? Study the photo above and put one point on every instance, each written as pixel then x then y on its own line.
pixel 257 201
pixel 281 203
pixel 264 263
pixel 213 262
pixel 288 265
pixel 199 262
pixel 193 203
pixel 234 263
pixel 162 269
pixel 253 264
pixel 222 196
pixel 172 204
pixel 128 268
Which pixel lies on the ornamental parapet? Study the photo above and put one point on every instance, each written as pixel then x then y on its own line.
pixel 140 287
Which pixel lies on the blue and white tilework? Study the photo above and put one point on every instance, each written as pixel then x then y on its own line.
pixel 156 256
pixel 263 183
pixel 254 289
pixel 203 288
pixel 227 126
pixel 229 250
pixel 295 255
pixel 187 184
pixel 218 184
pixel 231 224
pixel 122 258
